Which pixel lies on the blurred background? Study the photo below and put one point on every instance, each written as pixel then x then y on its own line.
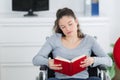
pixel 21 37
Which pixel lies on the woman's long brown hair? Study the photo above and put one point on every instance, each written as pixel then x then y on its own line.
pixel 65 12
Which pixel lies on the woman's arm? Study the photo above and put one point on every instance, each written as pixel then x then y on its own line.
pixel 42 56
pixel 101 56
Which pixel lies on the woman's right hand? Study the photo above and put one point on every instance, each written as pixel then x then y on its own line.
pixel 54 66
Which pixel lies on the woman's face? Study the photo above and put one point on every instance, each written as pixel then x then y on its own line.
pixel 68 25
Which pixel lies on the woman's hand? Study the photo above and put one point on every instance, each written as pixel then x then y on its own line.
pixel 87 62
pixel 54 66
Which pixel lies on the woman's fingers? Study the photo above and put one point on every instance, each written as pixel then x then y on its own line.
pixel 54 66
pixel 87 62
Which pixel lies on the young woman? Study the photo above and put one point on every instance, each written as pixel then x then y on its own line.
pixel 69 42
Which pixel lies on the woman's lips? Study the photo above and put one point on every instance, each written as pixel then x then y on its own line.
pixel 69 32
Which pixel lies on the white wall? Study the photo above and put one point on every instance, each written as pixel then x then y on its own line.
pixel 115 29
pixel 76 5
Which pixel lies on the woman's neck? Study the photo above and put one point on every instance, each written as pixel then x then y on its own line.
pixel 72 39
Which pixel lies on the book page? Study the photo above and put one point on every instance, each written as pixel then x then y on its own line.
pixel 62 59
pixel 76 58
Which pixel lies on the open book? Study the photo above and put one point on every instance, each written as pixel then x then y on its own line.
pixel 70 67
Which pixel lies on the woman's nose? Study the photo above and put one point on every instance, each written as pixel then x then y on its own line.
pixel 67 28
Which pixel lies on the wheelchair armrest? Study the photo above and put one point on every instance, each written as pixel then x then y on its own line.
pixel 50 73
pixel 43 72
pixel 102 67
pixel 95 71
pixel 43 67
pixel 102 72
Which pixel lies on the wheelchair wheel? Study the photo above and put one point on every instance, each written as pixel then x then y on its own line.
pixel 41 76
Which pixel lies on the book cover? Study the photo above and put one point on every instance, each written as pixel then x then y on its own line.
pixel 95 8
pixel 70 67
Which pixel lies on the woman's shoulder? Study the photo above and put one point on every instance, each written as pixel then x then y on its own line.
pixel 55 36
pixel 90 38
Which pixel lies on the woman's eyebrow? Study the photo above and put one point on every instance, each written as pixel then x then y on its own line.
pixel 69 21
pixel 61 25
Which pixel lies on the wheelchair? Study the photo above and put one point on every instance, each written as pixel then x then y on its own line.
pixel 98 71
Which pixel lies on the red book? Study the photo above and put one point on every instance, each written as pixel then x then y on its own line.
pixel 70 67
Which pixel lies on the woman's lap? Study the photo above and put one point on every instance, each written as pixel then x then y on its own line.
pixel 65 79
pixel 91 78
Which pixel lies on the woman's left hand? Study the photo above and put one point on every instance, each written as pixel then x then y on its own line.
pixel 87 62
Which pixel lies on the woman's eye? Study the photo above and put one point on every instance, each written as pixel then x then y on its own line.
pixel 62 27
pixel 70 24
